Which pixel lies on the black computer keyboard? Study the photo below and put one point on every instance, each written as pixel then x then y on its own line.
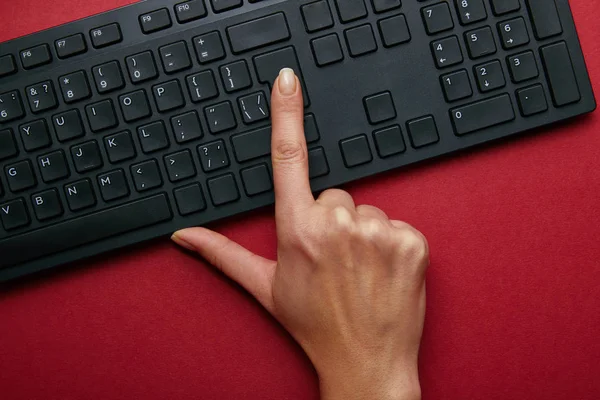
pixel 131 124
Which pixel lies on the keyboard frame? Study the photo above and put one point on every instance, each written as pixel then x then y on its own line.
pixel 349 118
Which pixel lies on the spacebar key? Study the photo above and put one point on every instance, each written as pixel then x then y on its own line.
pixel 482 114
pixel 83 230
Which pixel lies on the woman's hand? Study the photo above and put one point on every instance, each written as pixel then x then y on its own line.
pixel 348 282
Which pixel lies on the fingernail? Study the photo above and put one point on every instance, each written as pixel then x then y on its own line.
pixel 287 82
pixel 181 242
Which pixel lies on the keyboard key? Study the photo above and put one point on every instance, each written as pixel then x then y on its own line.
pixel 351 10
pixel 523 67
pixel 220 117
pixel 254 107
pixel 489 76
pixel 190 10
pixel 268 66
pixel 560 74
pixel 470 11
pixel 135 105
pixel 446 52
pixel 480 42
pixel 14 215
pixel 385 5
pixel 113 185
pixel 141 67
pixel 223 190
pixel 70 46
pixel 180 166
pixel 502 7
pixel 186 127
pixel 86 229
pixel 119 147
pixel 360 40
pixel 168 96
pixel 513 33
pixel 153 137
pixel 202 86
pixel 74 87
pixel 80 195
pixel 8 146
pixel 35 135
pixel 108 77
pixel 311 129
pixel 36 56
pixel 224 5
pixel 106 35
pixel 456 85
pixel 356 151
pixel 11 107
pixel 317 163
pixel 235 76
pixel 213 156
pixel 252 144
pixel 175 57
pixel 258 33
pixel 545 19
pixel 53 166
pixel 482 114
pixel 256 180
pixel 190 199
pixel 7 65
pixel 422 132
pixel 317 16
pixel 394 31
pixel 532 100
pixel 46 205
pixel 380 107
pixel 41 96
pixel 327 50
pixel 20 176
pixel 437 18
pixel 209 47
pixel 86 156
pixel 155 21
pixel 68 125
pixel 389 141
pixel 146 175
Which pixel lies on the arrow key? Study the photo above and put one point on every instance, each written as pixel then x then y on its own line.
pixel 446 52
pixel 490 76
pixel 470 11
pixel 180 166
pixel 513 33
pixel 146 175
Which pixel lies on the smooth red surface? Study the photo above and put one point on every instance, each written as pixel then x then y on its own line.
pixel 513 289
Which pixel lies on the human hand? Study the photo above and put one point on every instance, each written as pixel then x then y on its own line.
pixel 348 283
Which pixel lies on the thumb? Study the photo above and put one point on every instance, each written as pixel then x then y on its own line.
pixel 253 272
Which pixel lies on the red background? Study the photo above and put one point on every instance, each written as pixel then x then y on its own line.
pixel 513 305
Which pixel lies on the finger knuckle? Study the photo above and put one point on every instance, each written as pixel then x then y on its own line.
pixel 341 219
pixel 413 245
pixel 288 151
pixel 374 230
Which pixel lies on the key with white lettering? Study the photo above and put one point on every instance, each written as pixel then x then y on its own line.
pixel 20 176
pixel 168 96
pixel 236 76
pixel 101 115
pixel 220 117
pixel 146 175
pixel 202 86
pixel 447 52
pixel 213 156
pixel 14 214
pixel 175 57
pixel 41 96
pixel 135 105
pixel 254 107
pixel 35 135
pixel 53 166
pixel 86 156
pixel 113 185
pixel 180 166
pixel 119 147
pixel 10 106
pixel 68 125
pixel 141 67
pixel 186 127
pixel 153 137
pixel 80 195
pixel 46 205
pixel 209 47
pixel 108 77
pixel 74 87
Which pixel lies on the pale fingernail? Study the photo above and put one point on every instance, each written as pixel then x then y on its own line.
pixel 181 242
pixel 287 82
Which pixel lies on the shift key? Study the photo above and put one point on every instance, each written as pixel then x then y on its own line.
pixel 258 33
pixel 482 114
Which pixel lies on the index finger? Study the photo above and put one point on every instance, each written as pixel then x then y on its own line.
pixel 288 146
